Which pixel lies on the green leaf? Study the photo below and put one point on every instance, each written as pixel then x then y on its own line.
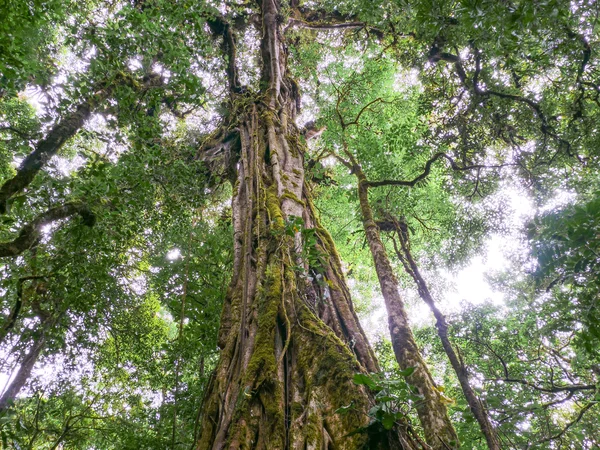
pixel 407 372
pixel 364 380
pixel 388 420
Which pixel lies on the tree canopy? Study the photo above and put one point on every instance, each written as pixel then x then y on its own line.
pixel 201 202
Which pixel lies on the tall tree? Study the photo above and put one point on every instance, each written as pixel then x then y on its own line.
pixel 273 387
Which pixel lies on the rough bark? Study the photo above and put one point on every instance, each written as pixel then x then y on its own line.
pixel 290 339
pixel 44 150
pixel 477 408
pixel 432 411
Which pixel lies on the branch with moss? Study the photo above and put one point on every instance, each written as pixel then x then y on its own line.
pixel 31 232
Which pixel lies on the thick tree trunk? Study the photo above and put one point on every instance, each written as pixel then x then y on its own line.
pixel 432 411
pixel 291 342
pixel 290 339
pixel 477 408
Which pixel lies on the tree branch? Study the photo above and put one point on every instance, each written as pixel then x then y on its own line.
pixel 328 20
pixel 31 232
pixel 44 150
pixel 14 315
pixel 324 25
pixel 360 113
pixel 220 27
pixel 436 55
pixel 582 411
pixel 58 135
pixel 427 170
pixel 22 134
pixel 551 389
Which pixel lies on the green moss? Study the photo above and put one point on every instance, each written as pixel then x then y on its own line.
pixel 261 380
pixel 292 141
pixel 294 197
pixel 262 363
pixel 313 430
pixel 274 209
pixel 297 408
pixel 267 117
pixel 328 246
pixel 262 149
pixel 331 371
pixel 322 233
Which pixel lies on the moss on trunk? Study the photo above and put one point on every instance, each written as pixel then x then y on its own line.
pixel 433 414
pixel 285 372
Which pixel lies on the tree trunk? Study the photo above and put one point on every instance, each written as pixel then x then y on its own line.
pixel 290 339
pixel 477 408
pixel 432 411
pixel 8 397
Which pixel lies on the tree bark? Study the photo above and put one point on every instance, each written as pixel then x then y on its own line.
pixel 477 408
pixel 44 150
pixel 432 411
pixel 290 339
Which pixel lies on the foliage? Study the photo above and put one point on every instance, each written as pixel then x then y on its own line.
pixel 392 397
pixel 566 244
pixel 127 311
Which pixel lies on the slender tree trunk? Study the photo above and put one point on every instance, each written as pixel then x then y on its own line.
pixel 10 322
pixel 290 339
pixel 432 411
pixel 477 408
pixel 27 364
